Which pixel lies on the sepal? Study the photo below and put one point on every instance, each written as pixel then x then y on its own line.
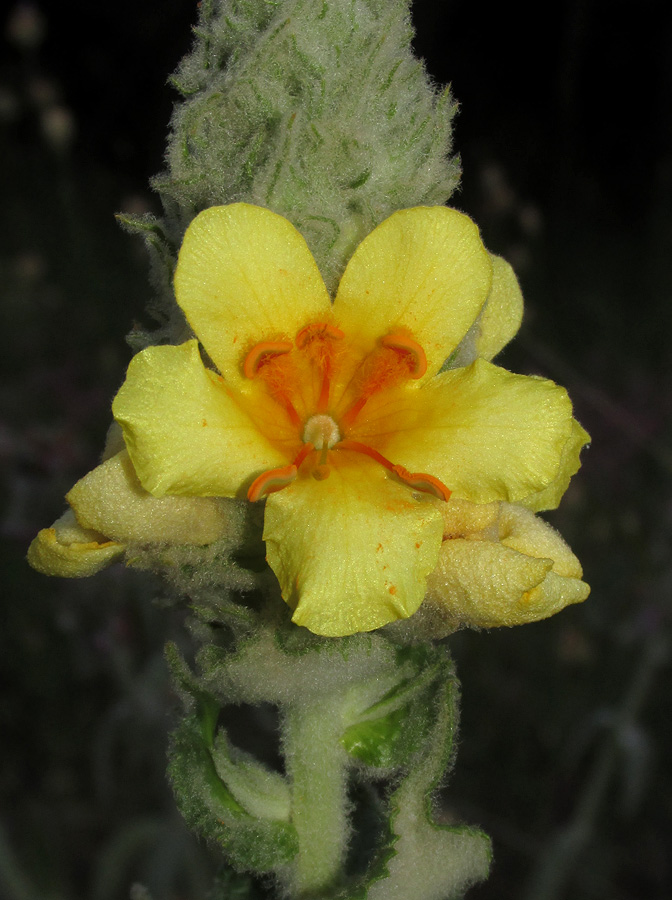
pixel 221 794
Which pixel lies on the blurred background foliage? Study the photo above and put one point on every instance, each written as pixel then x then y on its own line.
pixel 566 141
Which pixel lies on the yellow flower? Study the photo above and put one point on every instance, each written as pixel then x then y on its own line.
pixel 339 414
pixel 108 510
pixel 501 565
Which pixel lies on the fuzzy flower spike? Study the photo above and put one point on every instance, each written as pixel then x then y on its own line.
pixel 338 415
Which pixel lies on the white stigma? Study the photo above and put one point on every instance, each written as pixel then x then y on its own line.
pixel 322 432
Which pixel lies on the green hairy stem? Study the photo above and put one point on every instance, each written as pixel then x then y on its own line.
pixel 367 730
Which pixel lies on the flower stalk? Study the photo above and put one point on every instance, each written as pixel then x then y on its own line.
pixel 317 770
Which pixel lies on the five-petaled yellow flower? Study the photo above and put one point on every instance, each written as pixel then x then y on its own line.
pixel 340 414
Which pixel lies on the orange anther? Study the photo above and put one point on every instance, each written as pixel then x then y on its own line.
pixel 270 481
pixel 421 482
pixel 411 349
pixel 317 330
pixel 258 354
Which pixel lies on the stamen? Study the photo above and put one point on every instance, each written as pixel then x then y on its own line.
pixel 411 350
pixel 317 330
pixel 303 453
pixel 259 353
pixel 269 360
pixel 317 341
pixel 323 399
pixel 289 409
pixel 397 358
pixel 349 417
pixel 270 481
pixel 419 481
pixel 319 473
pixel 367 451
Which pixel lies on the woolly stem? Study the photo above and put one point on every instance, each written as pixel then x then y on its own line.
pixel 317 766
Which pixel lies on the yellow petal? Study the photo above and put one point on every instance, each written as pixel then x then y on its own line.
pixel 518 571
pixel 481 584
pixel 486 433
pixel 521 530
pixel 351 552
pixel 463 519
pixel 503 310
pixel 184 432
pixel 70 551
pixel 246 275
pixel 423 270
pixel 111 500
pixel 570 462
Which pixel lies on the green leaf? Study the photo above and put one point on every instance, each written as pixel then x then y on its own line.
pixel 200 768
pixel 261 792
pixel 389 741
pixel 391 731
pixel 450 857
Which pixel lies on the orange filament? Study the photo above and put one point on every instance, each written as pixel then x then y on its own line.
pixel 270 360
pixel 270 481
pixel 412 352
pixel 323 399
pixel 317 342
pixel 349 417
pixel 417 480
pixel 368 451
pixel 397 358
pixel 260 354
pixel 302 454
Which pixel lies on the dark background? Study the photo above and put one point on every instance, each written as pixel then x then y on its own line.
pixel 565 133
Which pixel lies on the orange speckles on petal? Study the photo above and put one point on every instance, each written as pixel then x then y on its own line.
pixel 392 589
pixel 204 423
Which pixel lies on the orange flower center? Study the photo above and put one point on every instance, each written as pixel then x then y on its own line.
pixel 317 348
